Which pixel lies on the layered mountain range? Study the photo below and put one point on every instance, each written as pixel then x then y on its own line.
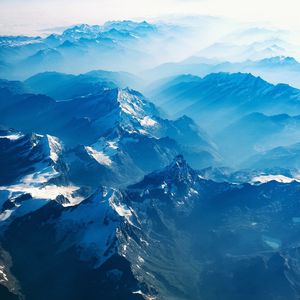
pixel 119 45
pixel 124 178
pixel 164 237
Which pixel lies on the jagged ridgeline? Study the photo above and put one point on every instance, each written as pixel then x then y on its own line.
pixel 131 171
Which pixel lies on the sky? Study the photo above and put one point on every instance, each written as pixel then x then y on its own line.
pixel 34 16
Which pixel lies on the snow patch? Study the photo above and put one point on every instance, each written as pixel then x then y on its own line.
pixel 112 145
pixel 99 156
pixel 55 147
pixel 48 192
pixel 122 210
pixel 92 226
pixel 271 242
pixel 35 184
pixel 2 274
pixel 268 178
pixel 148 122
pixel 11 137
pixel 6 214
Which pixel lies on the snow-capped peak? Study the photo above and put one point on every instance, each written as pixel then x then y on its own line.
pixel 99 155
pixel 267 178
pixel 177 175
pixel 134 104
pixel 55 147
pixel 137 114
pixel 180 170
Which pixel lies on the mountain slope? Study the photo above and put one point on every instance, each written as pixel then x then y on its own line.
pixel 33 172
pixel 173 235
pixel 256 133
pixel 87 257
pixel 218 99
pixel 65 86
pixel 275 69
pixel 79 49
pixel 108 134
pixel 283 156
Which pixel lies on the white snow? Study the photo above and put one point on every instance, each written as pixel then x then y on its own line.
pixel 107 148
pixel 48 192
pixel 112 145
pixel 35 184
pixel 41 176
pixel 11 137
pixel 99 156
pixel 192 191
pixel 268 178
pixel 148 122
pixel 147 297
pixel 5 215
pixel 91 226
pixel 164 187
pixel 55 147
pixel 130 104
pixel 136 110
pixel 122 210
pixel 2 273
pixel 140 259
pixel 271 242
pixel 138 292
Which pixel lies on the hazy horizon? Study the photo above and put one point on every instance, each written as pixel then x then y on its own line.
pixel 34 17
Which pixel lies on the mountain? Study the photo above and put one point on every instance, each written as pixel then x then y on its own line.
pixel 140 28
pixel 219 99
pixel 79 49
pixel 65 86
pixel 173 235
pixel 107 195
pixel 191 227
pixel 256 133
pixel 92 115
pixel 108 134
pixel 15 87
pixel 281 156
pixel 238 52
pixel 275 69
pixel 48 58
pixel 119 157
pixel 33 172
pixel 20 152
pixel 87 257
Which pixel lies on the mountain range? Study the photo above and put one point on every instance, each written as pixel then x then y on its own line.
pixel 173 229
pixel 150 161
pixel 275 69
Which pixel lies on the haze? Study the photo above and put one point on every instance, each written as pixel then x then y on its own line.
pixel 34 16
